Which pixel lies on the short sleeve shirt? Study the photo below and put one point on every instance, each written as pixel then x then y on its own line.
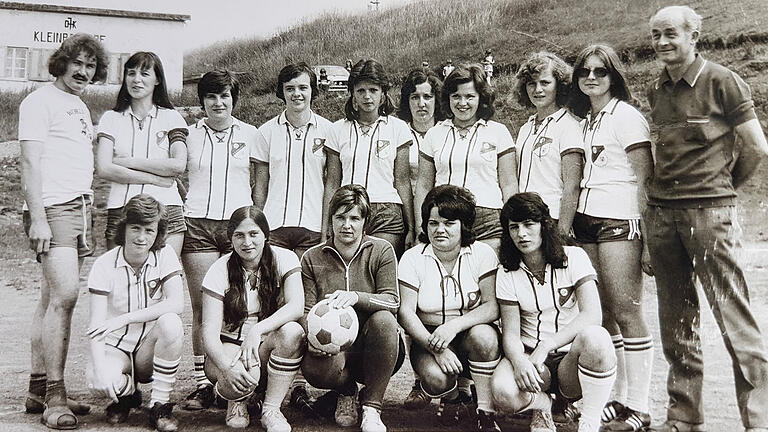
pixel 62 122
pixel 148 138
pixel 128 291
pixel 413 155
pixel 296 158
pixel 216 284
pixel 443 294
pixel 609 183
pixel 540 149
pixel 545 308
pixel 219 169
pixel 469 160
pixel 368 155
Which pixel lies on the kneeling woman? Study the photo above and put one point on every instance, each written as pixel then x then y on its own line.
pixel 352 269
pixel 252 300
pixel 136 298
pixel 550 314
pixel 448 305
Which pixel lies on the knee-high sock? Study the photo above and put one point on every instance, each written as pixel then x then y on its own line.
pixel 638 353
pixel 163 378
pixel 481 373
pixel 620 386
pixel 280 373
pixel 200 378
pixel 299 380
pixel 465 384
pixel 595 389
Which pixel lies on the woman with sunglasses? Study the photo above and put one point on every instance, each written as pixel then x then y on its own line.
pixel 608 224
pixel 447 305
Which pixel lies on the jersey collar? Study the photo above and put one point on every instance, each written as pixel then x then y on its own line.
pixel 282 119
pixel 152 112
pixel 201 123
pixel 121 262
pixel 449 123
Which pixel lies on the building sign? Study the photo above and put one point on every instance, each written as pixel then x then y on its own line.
pixel 54 36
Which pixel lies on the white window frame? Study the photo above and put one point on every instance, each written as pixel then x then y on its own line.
pixel 11 57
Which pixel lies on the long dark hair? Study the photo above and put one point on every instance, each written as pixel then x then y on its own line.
pixel 529 206
pixel 371 71
pixel 579 102
pixel 414 78
pixel 269 290
pixel 144 60
pixel 469 74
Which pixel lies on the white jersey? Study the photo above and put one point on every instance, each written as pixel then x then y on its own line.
pixel 62 123
pixel 219 168
pixel 128 291
pixel 296 158
pixel 469 160
pixel 609 184
pixel 545 308
pixel 148 138
pixel 413 155
pixel 216 284
pixel 442 294
pixel 368 155
pixel 540 149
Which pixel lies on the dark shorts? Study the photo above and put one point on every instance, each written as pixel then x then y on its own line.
pixel 293 238
pixel 206 235
pixel 355 354
pixel 174 214
pixel 487 223
pixel 386 218
pixel 71 225
pixel 552 363
pixel 456 346
pixel 591 229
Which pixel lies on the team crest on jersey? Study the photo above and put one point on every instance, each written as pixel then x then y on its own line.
pixel 598 156
pixel 541 146
pixel 487 147
pixel 473 299
pixel 564 294
pixel 236 147
pixel 317 144
pixel 381 147
pixel 153 286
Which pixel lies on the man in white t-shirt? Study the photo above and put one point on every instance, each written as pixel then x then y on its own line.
pixel 56 134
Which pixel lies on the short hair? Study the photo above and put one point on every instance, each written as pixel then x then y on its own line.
pixel 414 78
pixel 371 71
pixel 292 71
pixel 348 197
pixel 463 74
pixel 691 20
pixel 453 203
pixel 144 60
pixel 143 209
pixel 71 48
pixel 529 206
pixel 535 64
pixel 217 81
pixel 579 102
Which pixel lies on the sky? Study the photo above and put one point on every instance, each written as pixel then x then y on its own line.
pixel 217 20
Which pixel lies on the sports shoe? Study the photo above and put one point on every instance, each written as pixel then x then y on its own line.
pixel 346 410
pixel 372 420
pixel 628 420
pixel 202 398
pixel 564 412
pixel 453 411
pixel 486 421
pixel 542 422
pixel 416 399
pixel 255 403
pixel 274 421
pixel 611 410
pixel 161 417
pixel 677 426
pixel 118 412
pixel 237 414
pixel 324 405
pixel 300 399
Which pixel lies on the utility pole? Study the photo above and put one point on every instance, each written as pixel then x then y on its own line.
pixel 373 5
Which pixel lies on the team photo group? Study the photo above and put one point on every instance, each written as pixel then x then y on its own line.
pixel 319 255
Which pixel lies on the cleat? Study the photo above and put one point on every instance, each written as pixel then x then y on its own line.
pixel 202 398
pixel 161 417
pixel 628 420
pixel 118 412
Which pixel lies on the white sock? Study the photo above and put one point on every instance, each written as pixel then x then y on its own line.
pixel 595 389
pixel 620 386
pixel 200 378
pixel 163 378
pixel 481 373
pixel 639 359
pixel 280 373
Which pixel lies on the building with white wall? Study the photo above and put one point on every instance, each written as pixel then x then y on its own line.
pixel 30 33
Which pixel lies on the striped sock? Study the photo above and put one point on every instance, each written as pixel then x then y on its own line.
pixel 163 378
pixel 299 380
pixel 639 358
pixel 481 373
pixel 595 388
pixel 37 384
pixel 200 377
pixel 620 387
pixel 280 373
pixel 464 384
pixel 124 386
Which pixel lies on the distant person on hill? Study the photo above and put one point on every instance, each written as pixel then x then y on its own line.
pixel 710 143
pixel 348 65
pixel 323 82
pixel 448 68
pixel 488 65
pixel 373 148
pixel 56 137
pixel 221 157
pixel 470 150
pixel 425 64
pixel 608 223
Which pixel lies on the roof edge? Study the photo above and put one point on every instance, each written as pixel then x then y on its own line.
pixel 94 11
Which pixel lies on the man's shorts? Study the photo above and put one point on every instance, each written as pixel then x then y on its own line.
pixel 71 225
pixel 487 223
pixel 173 213
pixel 386 218
pixel 293 238
pixel 591 229
pixel 206 235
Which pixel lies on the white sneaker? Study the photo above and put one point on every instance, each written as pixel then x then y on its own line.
pixel 372 420
pixel 237 414
pixel 274 421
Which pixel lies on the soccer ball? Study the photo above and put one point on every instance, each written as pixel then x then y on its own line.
pixel 331 330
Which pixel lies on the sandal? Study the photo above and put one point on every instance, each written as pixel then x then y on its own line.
pixel 58 417
pixel 36 405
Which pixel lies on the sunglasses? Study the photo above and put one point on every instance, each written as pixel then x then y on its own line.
pixel 599 72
